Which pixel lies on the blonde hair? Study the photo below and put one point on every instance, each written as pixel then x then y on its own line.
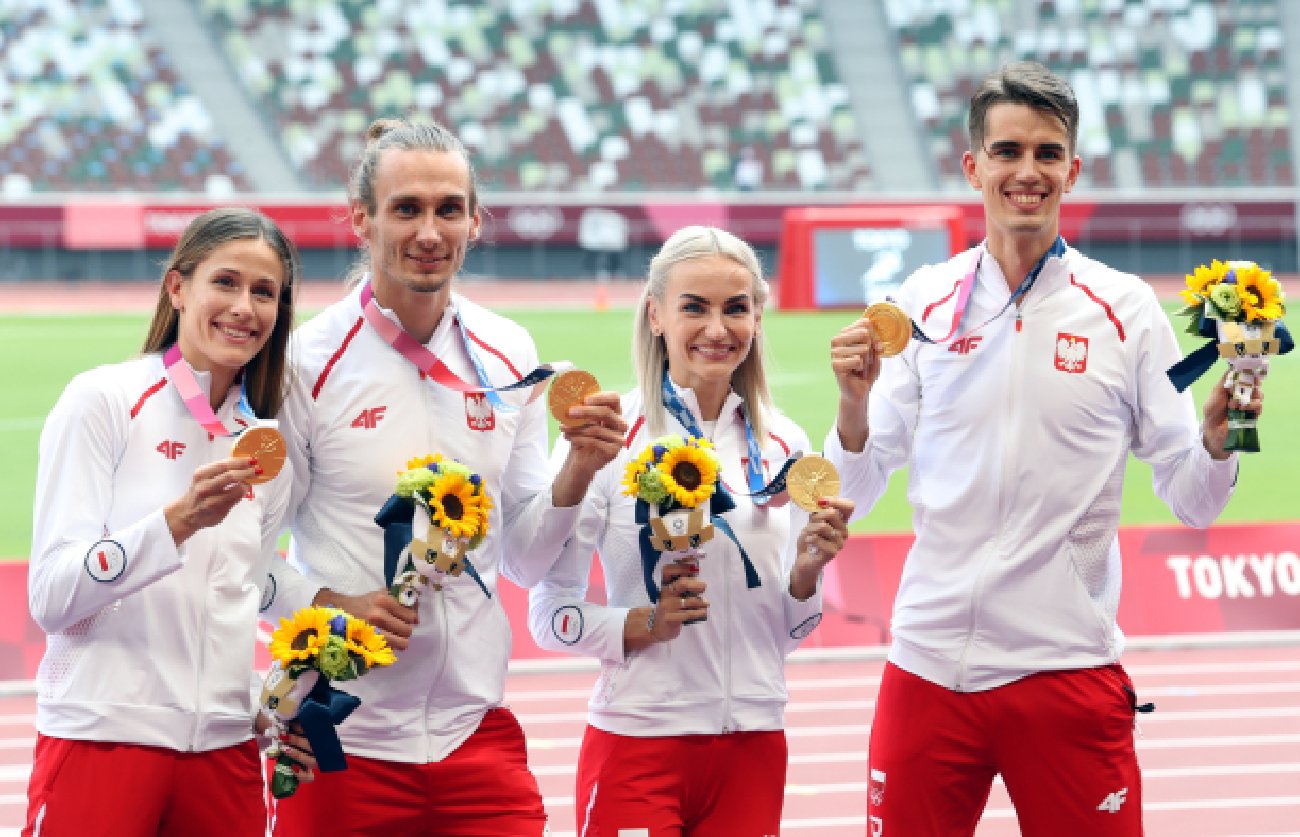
pixel 649 352
pixel 264 375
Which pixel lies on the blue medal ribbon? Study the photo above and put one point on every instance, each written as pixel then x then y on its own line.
pixel 1057 249
pixel 759 492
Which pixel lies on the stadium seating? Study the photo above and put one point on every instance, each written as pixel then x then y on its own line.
pixel 564 95
pixel 1173 93
pixel 89 103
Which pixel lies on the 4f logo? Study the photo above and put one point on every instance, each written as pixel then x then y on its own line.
pixel 369 418
pixel 478 412
pixel 171 450
pixel 1071 353
pixel 965 345
pixel 1113 801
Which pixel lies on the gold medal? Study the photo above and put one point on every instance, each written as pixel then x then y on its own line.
pixel 569 389
pixel 892 326
pixel 811 478
pixel 266 445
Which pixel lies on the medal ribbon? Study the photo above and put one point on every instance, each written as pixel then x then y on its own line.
pixel 196 400
pixel 432 366
pixel 968 284
pixel 759 492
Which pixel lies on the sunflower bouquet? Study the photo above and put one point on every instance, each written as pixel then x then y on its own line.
pixel 438 513
pixel 1239 306
pixel 315 647
pixel 680 500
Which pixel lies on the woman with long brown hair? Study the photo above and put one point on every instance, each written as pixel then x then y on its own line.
pixel 151 550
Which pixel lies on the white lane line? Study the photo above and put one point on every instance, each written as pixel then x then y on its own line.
pixel 1187 805
pixel 1212 667
pixel 15 772
pixel 1216 741
pixel 1240 713
pixel 1208 689
pixel 797 708
pixel 1148 774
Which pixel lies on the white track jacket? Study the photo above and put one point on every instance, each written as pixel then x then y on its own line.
pixel 147 643
pixel 360 411
pixel 1017 438
pixel 725 674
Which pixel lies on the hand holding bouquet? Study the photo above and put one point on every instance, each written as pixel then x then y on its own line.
pixel 1239 306
pixel 315 647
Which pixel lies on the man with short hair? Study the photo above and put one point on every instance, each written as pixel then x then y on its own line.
pixel 1005 652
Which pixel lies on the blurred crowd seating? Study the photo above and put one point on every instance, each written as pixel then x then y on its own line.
pixel 565 95
pixel 89 102
pixel 1173 93
pixel 630 95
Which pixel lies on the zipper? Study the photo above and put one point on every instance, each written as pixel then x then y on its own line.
pixel 213 547
pixel 436 598
pixel 1003 486
pixel 723 592
pixel 726 654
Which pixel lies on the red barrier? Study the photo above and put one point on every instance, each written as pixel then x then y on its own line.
pixel 129 222
pixel 1232 577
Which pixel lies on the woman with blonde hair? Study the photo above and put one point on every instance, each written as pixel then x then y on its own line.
pixel 711 577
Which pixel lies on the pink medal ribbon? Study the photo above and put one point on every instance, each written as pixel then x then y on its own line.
pixel 968 284
pixel 432 366
pixel 196 400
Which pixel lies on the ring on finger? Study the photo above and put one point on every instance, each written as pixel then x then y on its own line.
pixel 683 602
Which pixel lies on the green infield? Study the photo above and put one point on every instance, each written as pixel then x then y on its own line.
pixel 46 351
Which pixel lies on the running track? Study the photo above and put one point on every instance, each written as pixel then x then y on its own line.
pixel 1221 753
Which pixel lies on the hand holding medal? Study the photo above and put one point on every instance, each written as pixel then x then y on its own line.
pixel 892 325
pixel 570 389
pixel 812 478
pixel 264 445
pixel 814 486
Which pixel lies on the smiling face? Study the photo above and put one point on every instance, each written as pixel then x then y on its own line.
pixel 422 223
pixel 1024 167
pixel 228 307
pixel 708 319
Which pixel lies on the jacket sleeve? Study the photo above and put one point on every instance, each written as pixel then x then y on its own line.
pixel 533 529
pixel 286 589
pixel 296 426
pixel 559 616
pixel 1167 433
pixel 78 567
pixel 801 618
pixel 892 410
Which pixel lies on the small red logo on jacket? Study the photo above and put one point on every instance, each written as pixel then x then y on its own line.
pixel 171 450
pixel 369 418
pixel 478 412
pixel 1071 353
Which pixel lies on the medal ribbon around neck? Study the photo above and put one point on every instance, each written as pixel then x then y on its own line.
pixel 759 492
pixel 431 365
pixel 968 284
pixel 196 400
